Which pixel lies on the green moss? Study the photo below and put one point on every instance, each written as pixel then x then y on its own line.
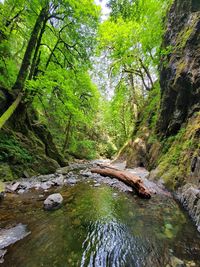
pixel 177 153
pixel 8 113
pixel 12 151
pixel 2 187
pixel 185 34
pixel 150 110
pixel 180 67
pixel 183 37
pixel 6 173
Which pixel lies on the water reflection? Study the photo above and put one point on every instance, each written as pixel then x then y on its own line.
pixel 100 227
pixel 111 244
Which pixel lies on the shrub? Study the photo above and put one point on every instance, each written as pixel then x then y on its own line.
pixel 85 149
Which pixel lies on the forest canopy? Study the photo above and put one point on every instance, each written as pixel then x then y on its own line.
pixel 50 73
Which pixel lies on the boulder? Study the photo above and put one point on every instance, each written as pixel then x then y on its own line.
pixel 53 202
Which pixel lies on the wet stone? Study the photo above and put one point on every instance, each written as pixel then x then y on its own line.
pixel 86 173
pixel 53 202
pixel 20 191
pixel 58 181
pixel 10 236
pixel 12 187
pixel 46 185
pixel 71 181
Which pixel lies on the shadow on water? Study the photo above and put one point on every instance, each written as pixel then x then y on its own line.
pixel 99 227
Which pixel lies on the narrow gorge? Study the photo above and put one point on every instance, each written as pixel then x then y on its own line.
pixel 99 133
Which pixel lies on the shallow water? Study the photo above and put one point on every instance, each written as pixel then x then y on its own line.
pixel 99 226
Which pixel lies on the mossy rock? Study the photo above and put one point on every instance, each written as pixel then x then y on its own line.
pixel 6 173
pixel 44 165
pixel 170 177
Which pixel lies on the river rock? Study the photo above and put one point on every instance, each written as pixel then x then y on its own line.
pixel 59 181
pixel 86 173
pixel 46 185
pixel 71 181
pixel 12 187
pixel 53 202
pixel 10 236
pixel 21 191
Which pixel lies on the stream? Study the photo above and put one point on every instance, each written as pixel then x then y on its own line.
pixel 99 224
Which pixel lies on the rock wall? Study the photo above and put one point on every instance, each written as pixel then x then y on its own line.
pixel 179 70
pixel 166 137
pixel 180 105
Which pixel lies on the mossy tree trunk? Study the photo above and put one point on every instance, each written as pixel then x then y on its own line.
pixel 8 113
pixel 26 63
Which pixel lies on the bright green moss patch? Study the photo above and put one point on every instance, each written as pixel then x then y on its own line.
pixel 177 153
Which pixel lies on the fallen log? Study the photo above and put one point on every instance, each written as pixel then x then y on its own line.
pixel 126 177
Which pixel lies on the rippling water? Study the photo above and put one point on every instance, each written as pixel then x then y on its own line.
pixel 99 227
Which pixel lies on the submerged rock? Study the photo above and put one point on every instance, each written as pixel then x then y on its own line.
pixel 53 202
pixel 10 236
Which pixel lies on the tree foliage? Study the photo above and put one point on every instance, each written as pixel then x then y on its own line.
pixel 46 52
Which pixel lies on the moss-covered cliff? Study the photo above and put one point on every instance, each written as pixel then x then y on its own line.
pixel 179 70
pixel 166 137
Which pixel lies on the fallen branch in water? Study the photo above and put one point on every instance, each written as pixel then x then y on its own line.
pixel 126 177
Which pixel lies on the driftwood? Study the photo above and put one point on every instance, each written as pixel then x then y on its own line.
pixel 126 177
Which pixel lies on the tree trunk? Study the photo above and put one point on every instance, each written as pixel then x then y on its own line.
pixel 35 57
pixel 126 177
pixel 8 113
pixel 67 131
pixel 26 62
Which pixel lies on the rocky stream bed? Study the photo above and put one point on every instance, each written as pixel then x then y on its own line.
pixel 100 222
